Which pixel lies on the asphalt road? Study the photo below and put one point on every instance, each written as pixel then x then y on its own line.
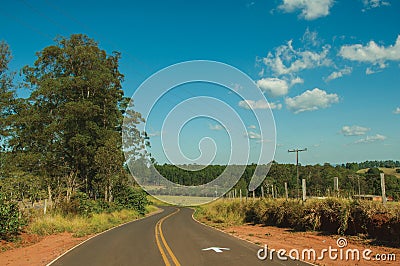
pixel 168 238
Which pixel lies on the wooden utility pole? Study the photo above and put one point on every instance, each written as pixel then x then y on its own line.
pixel 297 168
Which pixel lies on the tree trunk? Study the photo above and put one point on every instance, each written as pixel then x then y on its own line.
pixel 50 198
pixel 110 197
pixel 106 193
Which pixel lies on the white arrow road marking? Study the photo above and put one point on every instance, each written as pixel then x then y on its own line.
pixel 216 249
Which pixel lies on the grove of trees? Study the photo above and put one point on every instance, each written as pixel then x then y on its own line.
pixel 63 141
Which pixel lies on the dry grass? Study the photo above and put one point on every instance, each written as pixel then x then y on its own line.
pixel 331 215
pixel 81 226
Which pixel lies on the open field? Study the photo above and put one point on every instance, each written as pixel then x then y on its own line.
pixel 184 200
pixel 387 171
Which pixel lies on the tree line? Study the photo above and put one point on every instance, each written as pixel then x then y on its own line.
pixel 319 178
pixel 372 164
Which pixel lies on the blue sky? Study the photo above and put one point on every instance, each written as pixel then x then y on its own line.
pixel 329 69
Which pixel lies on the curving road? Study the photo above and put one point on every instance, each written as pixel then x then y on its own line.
pixel 168 238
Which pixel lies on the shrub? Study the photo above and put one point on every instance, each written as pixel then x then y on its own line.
pixel 10 219
pixel 79 204
pixel 131 198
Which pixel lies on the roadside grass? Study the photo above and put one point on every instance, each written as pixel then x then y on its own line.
pixel 221 213
pixel 80 225
pixel 331 216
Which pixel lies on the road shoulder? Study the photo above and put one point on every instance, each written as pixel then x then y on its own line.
pixel 47 249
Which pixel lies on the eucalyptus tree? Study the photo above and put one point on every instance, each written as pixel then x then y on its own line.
pixel 69 132
pixel 7 104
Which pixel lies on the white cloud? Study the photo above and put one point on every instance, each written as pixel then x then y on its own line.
pixel 397 111
pixel 252 126
pixel 310 38
pixel 372 70
pixel 216 127
pixel 339 74
pixel 264 140
pixel 287 60
pixel 295 81
pixel 370 139
pixel 354 130
pixel 311 100
pixel 372 53
pixel 310 9
pixel 369 4
pixel 260 104
pixel 237 87
pixel 252 135
pixel 275 87
pixel 255 136
pixel 154 134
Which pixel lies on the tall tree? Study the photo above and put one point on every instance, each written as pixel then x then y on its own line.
pixel 74 110
pixel 7 103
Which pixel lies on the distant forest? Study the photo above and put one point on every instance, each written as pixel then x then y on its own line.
pixel 320 178
pixel 372 164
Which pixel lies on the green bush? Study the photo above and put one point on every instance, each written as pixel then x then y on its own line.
pixel 10 219
pixel 125 197
pixel 131 198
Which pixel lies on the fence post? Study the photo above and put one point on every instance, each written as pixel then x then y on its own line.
pixel 304 189
pixel 273 191
pixel 45 207
pixel 286 191
pixel 383 188
pixel 336 185
pixel 262 192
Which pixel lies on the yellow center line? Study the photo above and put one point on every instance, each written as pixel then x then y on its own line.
pixel 159 232
pixel 164 257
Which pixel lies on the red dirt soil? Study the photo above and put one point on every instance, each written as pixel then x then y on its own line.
pixel 35 250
